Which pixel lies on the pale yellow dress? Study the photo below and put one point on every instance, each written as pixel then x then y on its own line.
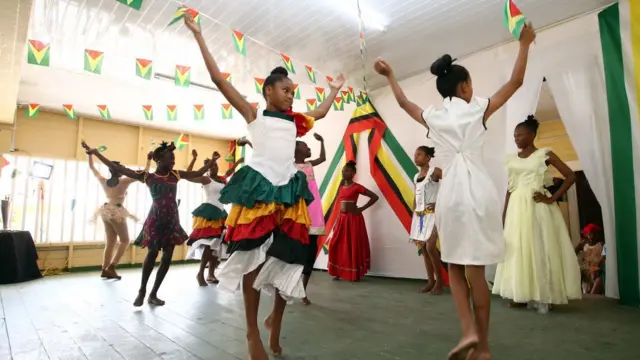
pixel 540 265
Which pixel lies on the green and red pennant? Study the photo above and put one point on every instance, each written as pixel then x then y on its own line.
pixel 259 83
pixel 70 111
pixel 352 96
pixel 320 95
pixel 182 141
pixel 514 20
pixel 296 91
pixel 182 10
pixel 227 77
pixel 338 104
pixel 198 112
pixel 227 111
pixel 32 110
pixel 144 68
pixel 105 114
pixel 148 112
pixel 93 60
pixel 345 97
pixel 38 53
pixel 183 76
pixel 310 73
pixel 239 43
pixel 359 101
pixel 172 112
pixel 312 104
pixel 288 63
pixel 329 80
pixel 134 4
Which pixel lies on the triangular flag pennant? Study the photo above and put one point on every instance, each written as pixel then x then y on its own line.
pixel 198 112
pixel 172 112
pixel 325 248
pixel 179 14
pixel 259 85
pixel 148 112
pixel 362 42
pixel 38 53
pixel 296 91
pixel 70 111
pixel 310 73
pixel 329 80
pixel 93 61
pixel 345 97
pixel 514 20
pixel 4 163
pixel 239 43
pixel 226 76
pixel 320 94
pixel 312 104
pixel 183 75
pixel 359 100
pixel 144 68
pixel 352 95
pixel 364 97
pixel 181 141
pixel 288 63
pixel 32 110
pixel 134 4
pixel 227 112
pixel 101 148
pixel 255 105
pixel 104 112
pixel 338 104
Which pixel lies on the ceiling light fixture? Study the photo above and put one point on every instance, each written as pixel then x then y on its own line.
pixel 371 19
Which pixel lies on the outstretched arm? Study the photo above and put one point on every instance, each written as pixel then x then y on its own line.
pixel 111 165
pixel 194 153
pixel 243 142
pixel 93 169
pixel 372 200
pixel 325 106
pixel 527 36
pixel 188 175
pixel 232 95
pixel 323 157
pixel 415 111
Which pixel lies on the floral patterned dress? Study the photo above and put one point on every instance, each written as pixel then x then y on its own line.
pixel 162 226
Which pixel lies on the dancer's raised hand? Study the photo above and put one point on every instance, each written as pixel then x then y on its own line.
pixel 194 153
pixel 337 83
pixel 318 137
pixel 383 68
pixel 191 23
pixel 215 156
pixel 527 35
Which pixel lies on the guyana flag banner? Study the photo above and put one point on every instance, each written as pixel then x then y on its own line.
pixel 198 112
pixel 514 21
pixel 345 97
pixel 259 83
pixel 144 68
pixel 239 43
pixel 105 114
pixel 312 104
pixel 179 14
pixel 70 111
pixel 134 4
pixel 172 112
pixel 148 112
pixel 296 91
pixel 93 61
pixel 391 169
pixel 181 141
pixel 338 104
pixel 320 94
pixel 310 73
pixel 226 76
pixel 32 110
pixel 288 63
pixel 38 53
pixel 352 96
pixel 183 76
pixel 227 111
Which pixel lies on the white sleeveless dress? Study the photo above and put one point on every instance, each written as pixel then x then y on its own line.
pixel 469 212
pixel 212 196
pixel 424 220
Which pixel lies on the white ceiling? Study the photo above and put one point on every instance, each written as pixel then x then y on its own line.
pixel 319 33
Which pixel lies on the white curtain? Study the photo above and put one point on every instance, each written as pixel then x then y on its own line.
pixel 580 96
pixel 523 103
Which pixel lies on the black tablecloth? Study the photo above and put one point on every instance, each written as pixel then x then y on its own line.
pixel 18 257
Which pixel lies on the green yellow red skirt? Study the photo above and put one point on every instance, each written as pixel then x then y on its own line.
pixel 208 222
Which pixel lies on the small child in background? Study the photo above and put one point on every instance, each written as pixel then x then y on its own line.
pixel 592 247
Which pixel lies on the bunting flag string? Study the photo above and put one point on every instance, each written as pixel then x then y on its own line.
pixel 104 112
pixel 363 47
pixel 144 68
pixel 198 112
pixel 148 112
pixel 32 110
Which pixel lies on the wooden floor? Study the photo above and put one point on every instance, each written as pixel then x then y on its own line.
pixel 81 316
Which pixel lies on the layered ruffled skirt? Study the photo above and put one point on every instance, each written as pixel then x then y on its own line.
pixel 208 225
pixel 268 225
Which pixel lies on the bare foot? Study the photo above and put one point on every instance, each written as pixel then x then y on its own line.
pixel 139 299
pixel 463 348
pixel 427 288
pixel 255 347
pixel 437 289
pixel 479 355
pixel 153 300
pixel 274 336
pixel 201 281
pixel 306 301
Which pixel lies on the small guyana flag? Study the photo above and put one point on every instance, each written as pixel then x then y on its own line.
pixel 255 105
pixel 338 104
pixel 101 148
pixel 239 43
pixel 134 4
pixel 259 83
pixel 144 68
pixel 226 76
pixel 352 96
pixel 38 53
pixel 93 61
pixel 105 114
pixel 172 112
pixel 329 79
pixel 320 94
pixel 325 248
pixel 227 112
pixel 181 141
pixel 183 75
pixel 32 110
pixel 312 104
pixel 179 14
pixel 310 73
pixel 345 97
pixel 288 63
pixel 296 91
pixel 148 112
pixel 364 97
pixel 514 20
pixel 70 111
pixel 198 112
pixel 359 101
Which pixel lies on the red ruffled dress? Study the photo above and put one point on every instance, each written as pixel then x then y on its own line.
pixel 349 251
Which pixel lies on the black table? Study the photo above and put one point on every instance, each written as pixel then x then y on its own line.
pixel 18 257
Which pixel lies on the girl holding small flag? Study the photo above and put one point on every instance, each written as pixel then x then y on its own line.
pixel 268 224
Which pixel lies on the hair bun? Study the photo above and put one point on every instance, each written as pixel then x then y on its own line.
pixel 351 162
pixel 532 119
pixel 442 66
pixel 280 71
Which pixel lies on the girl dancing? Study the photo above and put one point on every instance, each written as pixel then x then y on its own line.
pixel 302 153
pixel 114 216
pixel 540 266
pixel 349 251
pixel 268 224
pixel 161 229
pixel 468 216
pixel 423 224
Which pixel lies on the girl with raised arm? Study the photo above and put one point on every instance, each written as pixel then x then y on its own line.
pixel 114 216
pixel 161 229
pixel 468 214
pixel 268 224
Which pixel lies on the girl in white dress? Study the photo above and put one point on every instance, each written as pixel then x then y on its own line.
pixel 423 224
pixel 540 266
pixel 268 224
pixel 468 215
